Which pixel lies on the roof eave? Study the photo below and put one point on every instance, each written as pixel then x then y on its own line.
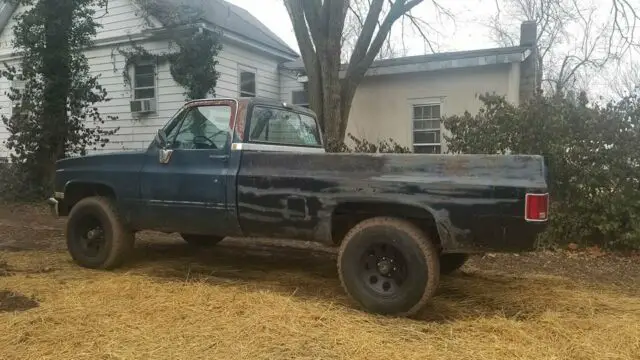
pixel 515 57
pixel 434 65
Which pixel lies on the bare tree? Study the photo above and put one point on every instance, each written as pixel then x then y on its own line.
pixel 575 38
pixel 320 27
pixel 624 80
pixel 407 27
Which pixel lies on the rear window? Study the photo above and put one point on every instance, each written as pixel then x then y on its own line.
pixel 283 127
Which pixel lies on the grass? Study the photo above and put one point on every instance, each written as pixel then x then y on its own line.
pixel 263 302
pixel 175 309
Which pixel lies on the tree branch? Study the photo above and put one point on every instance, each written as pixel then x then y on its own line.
pixel 368 28
pixel 307 50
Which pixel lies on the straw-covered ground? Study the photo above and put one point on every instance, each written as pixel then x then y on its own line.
pixel 266 301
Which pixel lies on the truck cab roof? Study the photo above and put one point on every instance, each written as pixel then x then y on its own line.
pixel 245 102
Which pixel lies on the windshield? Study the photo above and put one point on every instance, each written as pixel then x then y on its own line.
pixel 283 127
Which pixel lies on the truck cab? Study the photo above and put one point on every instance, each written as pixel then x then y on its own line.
pixel 189 176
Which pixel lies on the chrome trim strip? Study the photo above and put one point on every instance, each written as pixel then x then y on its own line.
pixel 276 148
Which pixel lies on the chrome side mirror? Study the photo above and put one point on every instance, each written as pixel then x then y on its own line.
pixel 164 155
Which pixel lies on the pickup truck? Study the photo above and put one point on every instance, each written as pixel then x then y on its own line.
pixel 251 167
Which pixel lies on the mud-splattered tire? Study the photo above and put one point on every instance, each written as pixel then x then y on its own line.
pixel 389 266
pixel 96 236
pixel 201 240
pixel 452 262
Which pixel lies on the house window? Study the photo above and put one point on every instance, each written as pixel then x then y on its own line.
pixel 247 82
pixel 426 129
pixel 144 82
pixel 301 97
pixel 20 86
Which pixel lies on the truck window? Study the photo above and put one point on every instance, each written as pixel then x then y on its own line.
pixel 203 127
pixel 283 127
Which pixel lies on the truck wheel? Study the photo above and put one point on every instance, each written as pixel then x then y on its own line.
pixel 452 262
pixel 96 236
pixel 389 266
pixel 201 240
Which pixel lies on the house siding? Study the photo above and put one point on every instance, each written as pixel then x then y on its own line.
pixel 382 107
pixel 120 21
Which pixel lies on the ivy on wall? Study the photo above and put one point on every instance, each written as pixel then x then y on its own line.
pixel 192 49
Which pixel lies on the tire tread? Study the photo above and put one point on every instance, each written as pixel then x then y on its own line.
pixel 425 244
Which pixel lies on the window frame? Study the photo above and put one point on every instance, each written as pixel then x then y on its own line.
pixel 179 119
pixel 134 88
pixel 415 144
pixel 251 70
pixel 272 143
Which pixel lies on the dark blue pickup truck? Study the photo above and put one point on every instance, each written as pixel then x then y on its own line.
pixel 257 168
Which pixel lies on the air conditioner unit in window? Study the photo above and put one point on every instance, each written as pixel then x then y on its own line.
pixel 143 106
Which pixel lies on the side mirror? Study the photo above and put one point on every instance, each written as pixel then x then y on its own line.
pixel 161 139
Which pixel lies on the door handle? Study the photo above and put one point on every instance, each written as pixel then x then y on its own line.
pixel 223 158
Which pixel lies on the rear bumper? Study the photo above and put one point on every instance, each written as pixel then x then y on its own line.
pixel 520 235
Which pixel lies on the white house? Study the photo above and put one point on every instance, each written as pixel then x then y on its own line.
pixel 400 98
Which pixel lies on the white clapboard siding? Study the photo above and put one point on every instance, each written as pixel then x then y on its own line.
pixel 121 18
pixel 120 21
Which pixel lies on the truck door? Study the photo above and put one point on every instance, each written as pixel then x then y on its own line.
pixel 184 185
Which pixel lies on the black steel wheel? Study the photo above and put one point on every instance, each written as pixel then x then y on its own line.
pixel 201 240
pixel 96 236
pixel 452 262
pixel 388 266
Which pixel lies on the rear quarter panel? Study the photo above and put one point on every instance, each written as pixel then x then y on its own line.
pixel 469 196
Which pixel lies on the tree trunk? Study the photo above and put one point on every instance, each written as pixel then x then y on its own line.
pixel 57 83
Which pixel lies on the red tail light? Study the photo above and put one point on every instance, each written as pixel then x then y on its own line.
pixel 536 207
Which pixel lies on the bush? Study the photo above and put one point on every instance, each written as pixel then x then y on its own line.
pixel 592 154
pixel 365 146
pixel 15 186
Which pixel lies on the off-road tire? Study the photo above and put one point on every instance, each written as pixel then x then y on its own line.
pixel 201 240
pixel 420 258
pixel 452 262
pixel 118 238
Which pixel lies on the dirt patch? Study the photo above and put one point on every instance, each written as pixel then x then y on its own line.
pixel 4 268
pixel 607 269
pixel 11 302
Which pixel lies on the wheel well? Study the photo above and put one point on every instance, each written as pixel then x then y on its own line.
pixel 78 191
pixel 346 215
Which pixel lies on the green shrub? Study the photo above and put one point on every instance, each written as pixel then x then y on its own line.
pixel 592 153
pixel 365 146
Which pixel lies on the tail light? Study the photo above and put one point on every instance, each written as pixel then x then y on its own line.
pixel 536 207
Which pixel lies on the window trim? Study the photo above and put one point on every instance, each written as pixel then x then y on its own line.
pixel 155 80
pixel 247 69
pixel 414 130
pixel 248 128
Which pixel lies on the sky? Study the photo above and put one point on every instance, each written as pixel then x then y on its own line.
pixel 465 34
pixel 467 31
